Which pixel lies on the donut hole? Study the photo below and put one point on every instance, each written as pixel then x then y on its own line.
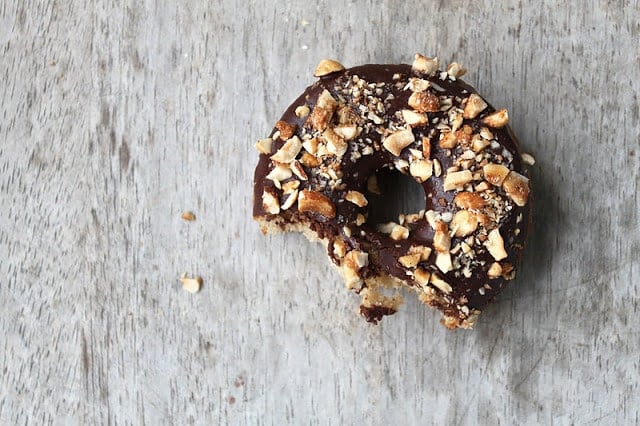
pixel 398 194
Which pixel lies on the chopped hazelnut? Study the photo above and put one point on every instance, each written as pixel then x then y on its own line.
pixel 464 223
pixel 517 188
pixel 309 160
pixel 286 130
pixel 424 102
pixel 495 270
pixel 448 140
pixel 263 146
pixel 297 169
pixel 495 174
pixel 347 132
pixel 311 146
pixel 270 202
pixel 421 169
pixel 478 143
pixel 302 111
pixel 456 70
pixel 409 260
pixel 335 143
pixel 469 201
pixel 426 147
pixel 443 262
pixel 457 179
pixel 421 276
pixel 288 152
pixel 192 285
pixel 399 232
pixel 497 119
pixel 315 202
pixel 352 263
pixel 326 67
pixel 495 245
pixel 339 248
pixel 188 216
pixel 290 200
pixel 397 141
pixel 413 118
pixel 474 106
pixel 424 64
pixel 441 238
pixel 440 284
pixel 528 159
pixel 424 251
pixel 356 198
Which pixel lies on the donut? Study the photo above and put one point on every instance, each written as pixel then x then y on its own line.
pixel 321 164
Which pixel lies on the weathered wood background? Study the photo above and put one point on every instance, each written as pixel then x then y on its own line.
pixel 116 116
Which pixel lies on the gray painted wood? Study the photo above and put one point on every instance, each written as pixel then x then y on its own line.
pixel 117 116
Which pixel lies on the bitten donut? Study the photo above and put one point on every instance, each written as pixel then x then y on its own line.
pixel 317 171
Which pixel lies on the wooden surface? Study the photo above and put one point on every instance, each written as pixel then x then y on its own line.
pixel 115 117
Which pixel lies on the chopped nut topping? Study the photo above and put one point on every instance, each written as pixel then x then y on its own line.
pixel 298 170
pixel 457 180
pixel 437 168
pixel 335 143
pixel 352 263
pixel 396 142
pixel 441 238
pixel 348 132
pixel 286 130
pixel 426 147
pixel 464 223
pixel 360 219
pixel 424 251
pixel 456 70
pixel 474 106
pixel 315 202
pixel 421 276
pixel 469 201
pixel 495 270
pixel 413 118
pixel 290 200
pixel 495 174
pixel 424 102
pixel 311 146
pixel 188 216
pixel 356 198
pixel 443 262
pixel 424 64
pixel 440 284
pixel 270 202
pixel 421 169
pixel 409 260
pixel 288 152
pixel 517 188
pixel 290 186
pixel 448 140
pixel 263 146
pixel 192 285
pixel 399 233
pixel 528 159
pixel 478 143
pixel 495 245
pixel 309 160
pixel 302 111
pixel 497 119
pixel 418 85
pixel 326 67
pixel 278 174
pixel 339 248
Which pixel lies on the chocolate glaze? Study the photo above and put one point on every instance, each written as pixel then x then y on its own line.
pixel 383 251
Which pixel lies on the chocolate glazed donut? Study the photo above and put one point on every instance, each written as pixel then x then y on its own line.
pixel 320 164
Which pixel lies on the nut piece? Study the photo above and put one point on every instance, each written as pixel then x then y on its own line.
pixel 423 250
pixel 441 238
pixel 517 188
pixel 448 141
pixel 356 198
pixel 351 265
pixel 413 118
pixel 335 143
pixel 326 67
pixel 396 142
pixel 315 202
pixel 348 132
pixel 263 146
pixel 286 130
pixel 188 216
pixel 464 223
pixel 192 285
pixel 270 202
pixel 424 64
pixel 323 111
pixel 424 102
pixel 443 262
pixel 456 70
pixel 421 276
pixel 495 174
pixel 455 180
pixel 495 270
pixel 302 111
pixel 290 200
pixel 421 169
pixel 497 119
pixel 475 105
pixel 469 201
pixel 440 284
pixel 297 169
pixel 527 159
pixel 339 248
pixel 409 260
pixel 495 245
pixel 399 232
pixel 288 152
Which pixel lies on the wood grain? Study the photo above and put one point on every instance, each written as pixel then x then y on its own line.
pixel 115 117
